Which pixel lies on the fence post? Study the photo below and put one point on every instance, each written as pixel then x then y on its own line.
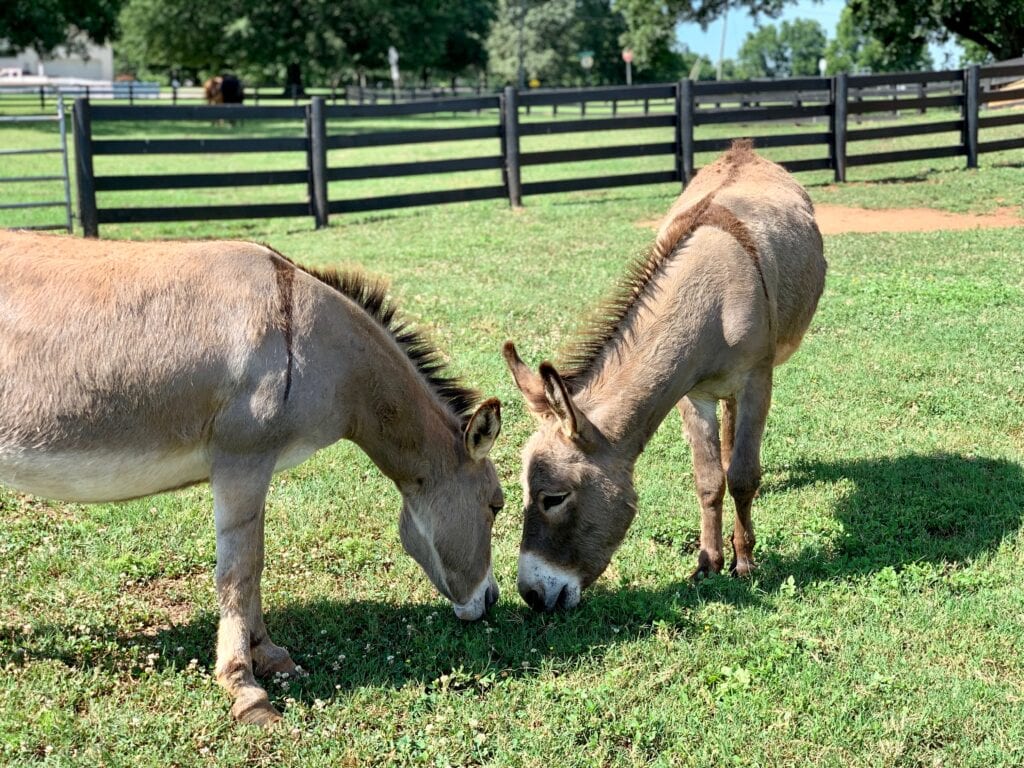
pixel 510 146
pixel 840 92
pixel 83 168
pixel 684 130
pixel 317 133
pixel 972 102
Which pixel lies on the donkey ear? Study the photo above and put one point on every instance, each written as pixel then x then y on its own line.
pixel 529 383
pixel 575 424
pixel 483 429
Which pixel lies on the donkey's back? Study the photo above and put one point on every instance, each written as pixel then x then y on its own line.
pixel 117 359
pixel 774 221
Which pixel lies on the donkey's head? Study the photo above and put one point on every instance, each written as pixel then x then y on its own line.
pixel 578 493
pixel 447 518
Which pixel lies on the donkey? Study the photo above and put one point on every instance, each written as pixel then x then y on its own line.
pixel 726 293
pixel 127 369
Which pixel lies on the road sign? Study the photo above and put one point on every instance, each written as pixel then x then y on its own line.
pixel 627 55
pixel 586 59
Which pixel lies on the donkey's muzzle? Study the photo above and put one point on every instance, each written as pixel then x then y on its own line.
pixel 492 596
pixel 539 603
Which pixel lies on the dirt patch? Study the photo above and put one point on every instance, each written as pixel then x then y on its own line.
pixel 837 219
pixel 164 603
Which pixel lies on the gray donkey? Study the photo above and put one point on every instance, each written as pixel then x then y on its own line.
pixel 132 368
pixel 726 294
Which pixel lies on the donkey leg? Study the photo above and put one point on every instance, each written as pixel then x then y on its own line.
pixel 700 422
pixel 240 486
pixel 267 657
pixel 728 430
pixel 744 473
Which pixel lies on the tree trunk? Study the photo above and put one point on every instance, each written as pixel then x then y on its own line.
pixel 293 82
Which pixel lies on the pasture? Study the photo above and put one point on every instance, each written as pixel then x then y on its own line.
pixel 885 625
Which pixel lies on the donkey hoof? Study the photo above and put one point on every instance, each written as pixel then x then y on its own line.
pixel 272 662
pixel 255 710
pixel 707 565
pixel 742 567
pixel 700 574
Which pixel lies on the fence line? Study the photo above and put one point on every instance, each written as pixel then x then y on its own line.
pixel 834 100
pixel 60 118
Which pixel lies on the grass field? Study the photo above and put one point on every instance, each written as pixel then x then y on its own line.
pixel 885 626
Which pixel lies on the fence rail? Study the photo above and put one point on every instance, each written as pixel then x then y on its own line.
pixel 830 101
pixel 58 116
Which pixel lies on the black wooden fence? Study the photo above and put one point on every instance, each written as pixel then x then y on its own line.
pixel 828 101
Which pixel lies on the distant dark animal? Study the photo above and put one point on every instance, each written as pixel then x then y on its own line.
pixel 224 89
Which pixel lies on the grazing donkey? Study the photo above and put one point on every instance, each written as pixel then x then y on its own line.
pixel 132 368
pixel 725 294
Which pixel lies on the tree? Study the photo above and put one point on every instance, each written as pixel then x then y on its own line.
pixel 326 40
pixel 555 33
pixel 651 26
pixel 855 50
pixel 792 50
pixel 995 25
pixel 44 25
pixel 973 53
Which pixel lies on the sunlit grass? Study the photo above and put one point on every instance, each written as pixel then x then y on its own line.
pixel 884 626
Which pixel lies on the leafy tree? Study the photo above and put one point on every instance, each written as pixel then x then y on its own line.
pixel 997 26
pixel 651 26
pixel 323 40
pixel 172 35
pixel 554 34
pixel 974 53
pixel 792 50
pixel 47 24
pixel 855 50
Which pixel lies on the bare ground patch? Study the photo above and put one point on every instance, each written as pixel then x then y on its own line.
pixel 167 602
pixel 838 219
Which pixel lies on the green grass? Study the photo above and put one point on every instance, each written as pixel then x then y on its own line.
pixel 884 627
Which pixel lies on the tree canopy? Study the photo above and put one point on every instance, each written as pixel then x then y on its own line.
pixel 326 39
pixel 791 50
pixel 855 50
pixel 554 35
pixel 48 24
pixel 997 26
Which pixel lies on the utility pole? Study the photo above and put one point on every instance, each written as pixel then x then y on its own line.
pixel 522 54
pixel 721 45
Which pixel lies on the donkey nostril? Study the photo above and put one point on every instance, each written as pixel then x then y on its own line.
pixel 563 597
pixel 533 599
pixel 491 597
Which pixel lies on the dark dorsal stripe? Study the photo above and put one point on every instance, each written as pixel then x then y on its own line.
pixel 285 272
pixel 370 294
pixel 722 218
pixel 610 324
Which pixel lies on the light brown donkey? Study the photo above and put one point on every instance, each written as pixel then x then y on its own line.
pixel 725 294
pixel 132 368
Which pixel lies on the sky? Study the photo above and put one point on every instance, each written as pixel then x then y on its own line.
pixel 739 24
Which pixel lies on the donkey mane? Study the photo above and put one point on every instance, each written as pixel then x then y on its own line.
pixel 609 324
pixel 370 293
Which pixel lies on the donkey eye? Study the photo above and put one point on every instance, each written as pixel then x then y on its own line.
pixel 550 501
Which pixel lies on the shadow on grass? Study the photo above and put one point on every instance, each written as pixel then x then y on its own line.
pixel 941 508
pixel 937 508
